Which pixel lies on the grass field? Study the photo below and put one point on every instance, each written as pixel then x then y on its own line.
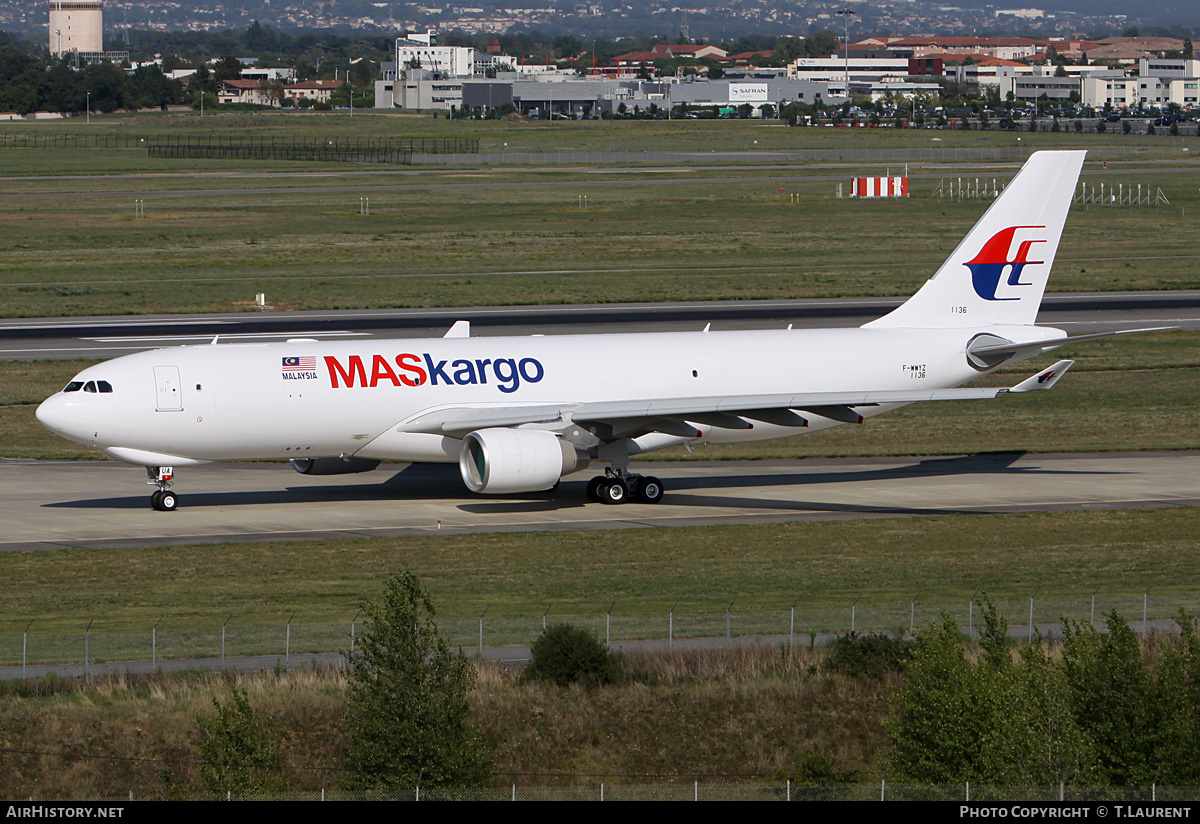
pixel 498 236
pixel 591 135
pixel 763 568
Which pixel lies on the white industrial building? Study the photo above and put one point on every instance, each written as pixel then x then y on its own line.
pixel 836 69
pixel 1159 82
pixel 420 51
pixel 76 26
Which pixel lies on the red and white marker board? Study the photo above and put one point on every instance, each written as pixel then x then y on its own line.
pixel 879 187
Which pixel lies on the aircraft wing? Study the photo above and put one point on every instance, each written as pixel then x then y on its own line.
pixel 673 415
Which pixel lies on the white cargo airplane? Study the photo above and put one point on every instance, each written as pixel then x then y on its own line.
pixel 519 413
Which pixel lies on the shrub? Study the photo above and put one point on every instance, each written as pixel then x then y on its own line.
pixel 569 655
pixel 239 747
pixel 868 656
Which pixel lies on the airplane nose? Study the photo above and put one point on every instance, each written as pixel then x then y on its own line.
pixel 55 414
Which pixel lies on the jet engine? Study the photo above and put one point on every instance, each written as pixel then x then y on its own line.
pixel 516 460
pixel 332 466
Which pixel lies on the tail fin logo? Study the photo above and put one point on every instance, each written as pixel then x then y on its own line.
pixel 990 264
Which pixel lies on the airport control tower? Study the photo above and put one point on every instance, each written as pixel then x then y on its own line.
pixel 76 26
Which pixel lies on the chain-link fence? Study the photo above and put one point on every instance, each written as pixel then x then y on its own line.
pixel 612 622
pixel 749 788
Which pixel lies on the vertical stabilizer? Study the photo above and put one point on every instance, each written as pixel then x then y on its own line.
pixel 999 271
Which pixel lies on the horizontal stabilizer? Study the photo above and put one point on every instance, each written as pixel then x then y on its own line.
pixel 1054 343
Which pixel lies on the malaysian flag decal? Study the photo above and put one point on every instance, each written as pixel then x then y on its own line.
pixel 299 364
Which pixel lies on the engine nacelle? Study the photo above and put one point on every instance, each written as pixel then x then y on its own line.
pixel 332 466
pixel 516 460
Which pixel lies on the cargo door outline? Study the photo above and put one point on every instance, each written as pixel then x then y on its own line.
pixel 168 389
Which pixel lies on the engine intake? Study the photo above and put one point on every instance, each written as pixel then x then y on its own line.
pixel 332 466
pixel 501 461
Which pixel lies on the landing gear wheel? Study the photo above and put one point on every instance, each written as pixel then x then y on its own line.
pixel 593 488
pixel 650 490
pixel 164 500
pixel 155 500
pixel 613 492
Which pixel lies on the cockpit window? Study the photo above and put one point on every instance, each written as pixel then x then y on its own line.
pixel 90 386
pixel 73 386
pixel 104 386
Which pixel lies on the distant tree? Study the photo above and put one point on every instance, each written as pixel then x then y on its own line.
pixel 274 90
pixel 407 698
pixel 227 68
pixel 108 84
pixel 260 38
pixel 1188 52
pixel 788 49
pixel 821 44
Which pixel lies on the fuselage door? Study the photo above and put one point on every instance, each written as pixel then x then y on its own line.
pixel 166 381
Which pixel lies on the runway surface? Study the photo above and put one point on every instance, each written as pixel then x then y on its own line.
pixel 54 505
pixel 103 337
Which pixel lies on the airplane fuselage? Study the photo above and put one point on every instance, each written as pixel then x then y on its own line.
pixel 308 398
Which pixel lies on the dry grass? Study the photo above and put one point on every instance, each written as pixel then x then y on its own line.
pixel 747 713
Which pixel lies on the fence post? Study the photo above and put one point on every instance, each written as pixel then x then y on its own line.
pixel 671 626
pixel 608 624
pixel 1031 597
pixel 353 621
pixel 853 611
pixel 971 616
pixel 1145 603
pixel 912 613
pixel 87 630
pixel 24 647
pixel 544 614
pixel 1092 621
pixel 485 612
pixel 728 636
pixel 154 644
pixel 223 635
pixel 287 650
pixel 792 627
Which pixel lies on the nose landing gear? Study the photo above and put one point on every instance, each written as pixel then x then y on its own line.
pixel 163 499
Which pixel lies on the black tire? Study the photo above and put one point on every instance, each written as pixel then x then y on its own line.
pixel 614 492
pixel 650 490
pixel 168 501
pixel 156 500
pixel 593 489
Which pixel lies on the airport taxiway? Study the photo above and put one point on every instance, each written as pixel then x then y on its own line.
pixel 95 504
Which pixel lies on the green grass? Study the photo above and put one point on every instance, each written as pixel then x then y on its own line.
pixel 600 135
pixel 763 568
pixel 727 234
pixel 470 247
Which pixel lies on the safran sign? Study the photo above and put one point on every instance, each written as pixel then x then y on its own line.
pixel 748 92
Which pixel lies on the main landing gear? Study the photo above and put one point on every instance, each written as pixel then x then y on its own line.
pixel 164 500
pixel 620 487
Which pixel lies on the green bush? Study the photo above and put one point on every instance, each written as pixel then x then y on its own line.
pixel 569 655
pixel 868 656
